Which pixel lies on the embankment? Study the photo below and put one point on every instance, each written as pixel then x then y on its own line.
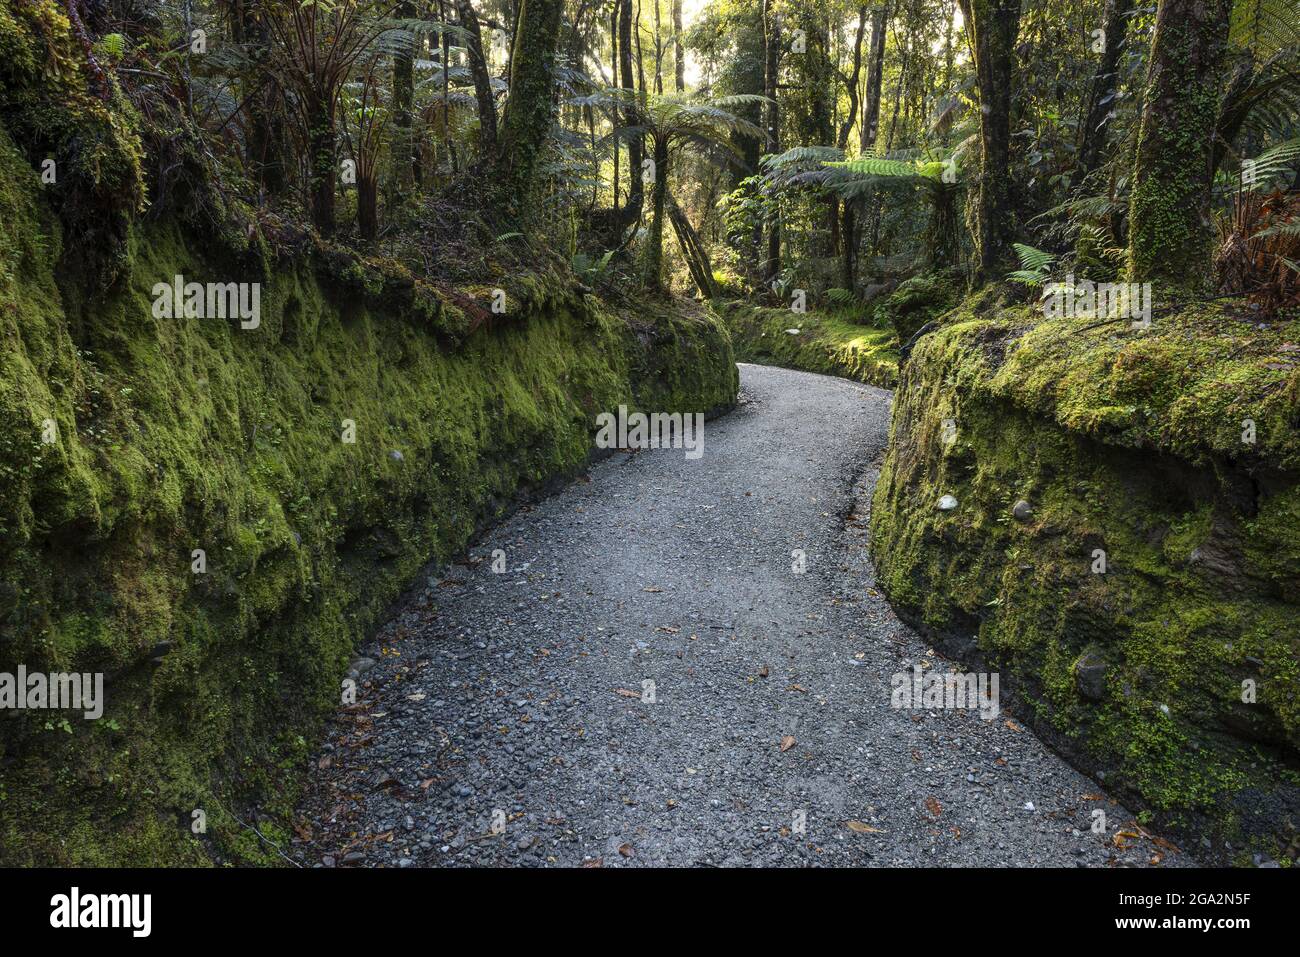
pixel 1124 548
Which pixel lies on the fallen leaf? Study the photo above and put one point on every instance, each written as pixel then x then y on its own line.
pixel 861 828
pixel 626 693
pixel 763 672
pixel 597 862
pixel 627 850
pixel 1013 726
pixel 652 588
pixel 787 742
pixel 933 806
pixel 799 688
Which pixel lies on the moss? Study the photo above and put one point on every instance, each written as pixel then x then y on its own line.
pixel 62 109
pixel 828 343
pixel 1129 444
pixel 175 435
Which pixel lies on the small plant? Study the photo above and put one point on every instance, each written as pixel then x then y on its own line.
pixel 1035 265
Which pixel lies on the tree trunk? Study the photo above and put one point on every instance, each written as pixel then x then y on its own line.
pixel 323 165
pixel 367 207
pixel 487 111
pixel 654 254
pixel 267 150
pixel 530 107
pixel 875 80
pixel 679 59
pixel 632 115
pixel 613 67
pixel 1169 205
pixel 1104 83
pixel 847 226
pixel 993 26
pixel 772 65
pixel 405 165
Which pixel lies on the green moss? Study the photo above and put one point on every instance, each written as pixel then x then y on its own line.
pixel 1126 443
pixel 176 435
pixel 826 342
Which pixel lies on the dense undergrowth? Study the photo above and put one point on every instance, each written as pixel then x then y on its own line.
pixel 1125 546
pixel 855 341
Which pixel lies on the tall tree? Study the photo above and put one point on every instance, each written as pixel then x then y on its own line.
pixel 487 111
pixel 406 166
pixel 679 59
pixel 875 80
pixel 636 144
pixel 1104 83
pixel 771 69
pixel 530 107
pixel 992 26
pixel 848 225
pixel 1169 203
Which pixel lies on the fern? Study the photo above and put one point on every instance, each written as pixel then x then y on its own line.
pixel 1270 165
pixel 1034 265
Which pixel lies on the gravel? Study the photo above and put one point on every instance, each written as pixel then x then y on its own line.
pixel 507 719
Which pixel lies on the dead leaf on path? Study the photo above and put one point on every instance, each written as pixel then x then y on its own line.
pixel 787 742
pixel 324 762
pixel 933 806
pixel 763 672
pixel 1013 726
pixel 1094 797
pixel 799 688
pixel 668 630
pixel 303 830
pixel 652 588
pixel 627 850
pixel 861 828
pixel 916 755
pixel 1122 838
pixel 626 693
pixel 595 862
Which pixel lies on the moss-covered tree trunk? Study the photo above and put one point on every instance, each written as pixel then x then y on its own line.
pixel 1169 204
pixel 323 164
pixel 530 106
pixel 993 26
pixel 654 254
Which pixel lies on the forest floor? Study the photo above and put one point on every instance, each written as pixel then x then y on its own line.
pixel 502 718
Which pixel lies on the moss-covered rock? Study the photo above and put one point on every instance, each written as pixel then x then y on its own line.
pixel 822 342
pixel 129 443
pixel 1143 603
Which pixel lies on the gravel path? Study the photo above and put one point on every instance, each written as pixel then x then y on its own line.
pixel 516 699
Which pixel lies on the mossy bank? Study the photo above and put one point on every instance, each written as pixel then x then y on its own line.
pixel 213 515
pixel 812 342
pixel 1124 548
